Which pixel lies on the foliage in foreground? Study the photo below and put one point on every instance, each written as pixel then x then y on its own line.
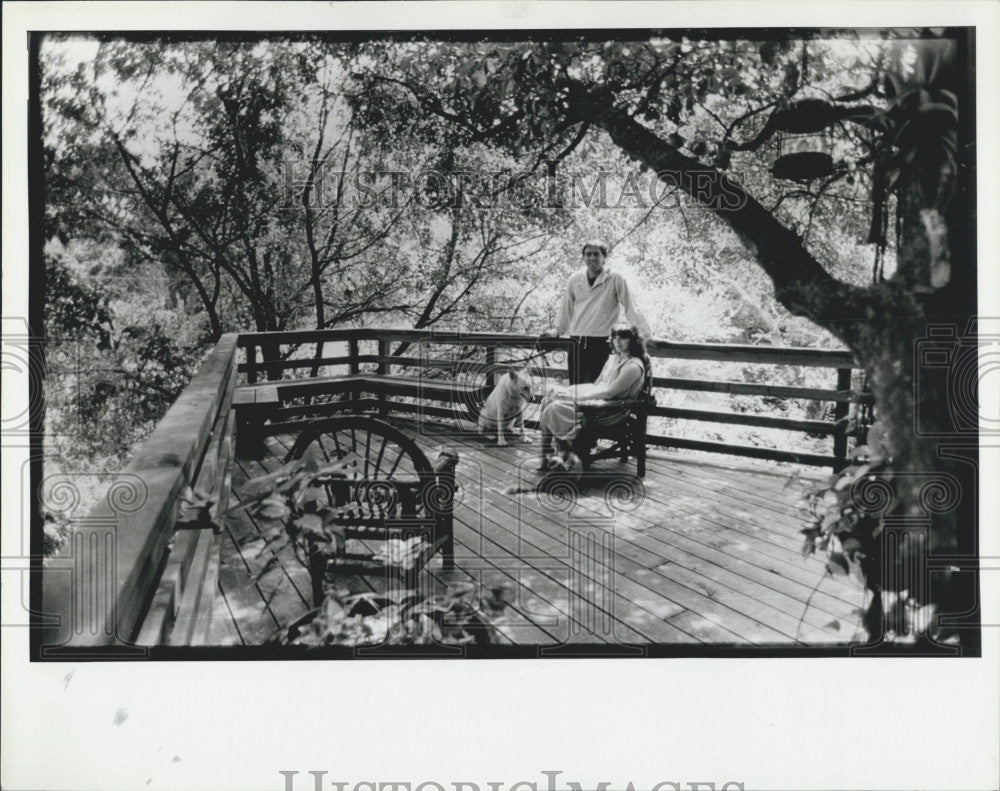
pixel 847 524
pixel 459 616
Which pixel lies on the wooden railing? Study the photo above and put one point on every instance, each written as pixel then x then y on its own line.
pixel 127 576
pixel 497 348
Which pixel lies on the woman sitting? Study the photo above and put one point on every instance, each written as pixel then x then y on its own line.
pixel 622 378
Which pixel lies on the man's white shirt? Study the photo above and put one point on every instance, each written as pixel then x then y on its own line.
pixel 594 310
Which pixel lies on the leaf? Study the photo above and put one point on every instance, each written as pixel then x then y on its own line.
pixel 833 498
pixel 337 534
pixel 459 589
pixel 861 450
pixel 922 618
pixel 857 572
pixel 311 460
pixel 431 606
pixel 400 552
pixel 195 505
pixel 949 97
pixel 337 469
pixel 851 474
pixel 832 517
pixel 838 565
pixel 259 487
pixel 274 534
pixel 496 600
pixel 274 507
pixel 333 609
pixel 306 496
pixel 309 523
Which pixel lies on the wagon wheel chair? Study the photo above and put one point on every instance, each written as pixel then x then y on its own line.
pixel 391 494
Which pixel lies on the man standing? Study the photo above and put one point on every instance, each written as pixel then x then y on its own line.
pixel 590 308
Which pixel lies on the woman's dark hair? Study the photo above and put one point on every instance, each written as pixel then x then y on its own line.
pixel 636 346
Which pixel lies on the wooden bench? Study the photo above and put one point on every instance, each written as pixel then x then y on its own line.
pixel 256 404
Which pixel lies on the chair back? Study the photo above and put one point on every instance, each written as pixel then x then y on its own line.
pixel 646 393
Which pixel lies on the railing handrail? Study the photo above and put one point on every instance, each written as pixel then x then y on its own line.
pixel 724 352
pixel 122 577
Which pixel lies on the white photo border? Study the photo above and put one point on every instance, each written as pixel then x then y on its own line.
pixel 765 723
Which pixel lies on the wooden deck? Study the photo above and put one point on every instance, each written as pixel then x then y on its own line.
pixel 704 552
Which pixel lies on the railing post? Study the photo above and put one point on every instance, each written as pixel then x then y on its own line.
pixel 840 412
pixel 352 352
pixel 383 352
pixel 382 370
pixel 491 360
pixel 251 364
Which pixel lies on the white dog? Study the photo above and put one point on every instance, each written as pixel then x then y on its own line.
pixel 504 409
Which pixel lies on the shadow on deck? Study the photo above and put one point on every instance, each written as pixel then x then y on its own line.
pixel 696 553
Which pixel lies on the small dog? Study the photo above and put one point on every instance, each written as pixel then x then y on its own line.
pixel 562 470
pixel 504 408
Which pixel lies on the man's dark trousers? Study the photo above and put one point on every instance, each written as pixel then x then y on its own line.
pixel 587 358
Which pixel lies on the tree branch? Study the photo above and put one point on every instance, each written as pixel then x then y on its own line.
pixel 801 283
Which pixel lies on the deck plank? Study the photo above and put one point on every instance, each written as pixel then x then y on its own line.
pixel 223 630
pixel 254 621
pixel 769 492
